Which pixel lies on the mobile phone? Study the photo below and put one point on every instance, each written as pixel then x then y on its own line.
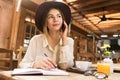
pixel 63 27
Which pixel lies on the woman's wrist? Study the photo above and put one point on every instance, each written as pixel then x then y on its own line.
pixel 64 41
pixel 35 65
pixel 63 66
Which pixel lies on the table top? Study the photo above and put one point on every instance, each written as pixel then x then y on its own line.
pixel 6 75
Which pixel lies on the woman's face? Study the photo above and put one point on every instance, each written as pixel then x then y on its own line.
pixel 54 20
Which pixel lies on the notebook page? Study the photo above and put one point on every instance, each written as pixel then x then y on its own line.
pixel 54 72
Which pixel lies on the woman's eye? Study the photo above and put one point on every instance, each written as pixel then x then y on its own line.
pixel 50 17
pixel 59 16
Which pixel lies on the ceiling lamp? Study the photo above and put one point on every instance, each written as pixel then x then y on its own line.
pixel 90 34
pixel 104 36
pixel 115 35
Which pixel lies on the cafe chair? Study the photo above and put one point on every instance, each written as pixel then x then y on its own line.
pixel 116 57
pixel 116 60
pixel 6 59
pixel 21 54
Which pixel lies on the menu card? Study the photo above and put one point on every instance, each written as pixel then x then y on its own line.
pixel 33 71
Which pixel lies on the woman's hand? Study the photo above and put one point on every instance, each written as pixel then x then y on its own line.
pixel 45 64
pixel 65 32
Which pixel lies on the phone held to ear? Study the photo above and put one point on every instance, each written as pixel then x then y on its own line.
pixel 63 27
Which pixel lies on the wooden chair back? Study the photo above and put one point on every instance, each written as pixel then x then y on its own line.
pixel 20 54
pixel 6 58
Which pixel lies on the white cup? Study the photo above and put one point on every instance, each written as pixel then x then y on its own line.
pixel 83 65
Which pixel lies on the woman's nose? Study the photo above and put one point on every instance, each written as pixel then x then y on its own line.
pixel 55 18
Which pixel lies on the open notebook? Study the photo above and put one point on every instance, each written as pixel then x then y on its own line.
pixel 33 71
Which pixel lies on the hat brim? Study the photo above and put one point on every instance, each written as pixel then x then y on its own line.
pixel 43 9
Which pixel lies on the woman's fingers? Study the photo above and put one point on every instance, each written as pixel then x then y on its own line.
pixel 49 64
pixel 46 64
pixel 64 34
pixel 52 63
pixel 66 26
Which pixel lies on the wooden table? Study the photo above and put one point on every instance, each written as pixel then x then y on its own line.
pixel 6 75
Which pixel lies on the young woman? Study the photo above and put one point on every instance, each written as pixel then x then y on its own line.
pixel 53 48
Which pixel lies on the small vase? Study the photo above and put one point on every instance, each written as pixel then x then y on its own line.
pixel 105 57
pixel 109 61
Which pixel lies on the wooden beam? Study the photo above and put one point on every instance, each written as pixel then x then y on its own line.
pixel 28 4
pixel 100 5
pixel 80 26
pixel 108 10
pixel 89 21
pixel 97 9
pixel 86 3
pixel 83 27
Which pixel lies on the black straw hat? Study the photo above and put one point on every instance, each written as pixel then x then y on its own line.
pixel 44 8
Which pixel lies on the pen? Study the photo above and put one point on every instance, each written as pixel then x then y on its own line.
pixel 52 62
pixel 45 55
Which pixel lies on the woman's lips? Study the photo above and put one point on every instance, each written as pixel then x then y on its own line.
pixel 55 24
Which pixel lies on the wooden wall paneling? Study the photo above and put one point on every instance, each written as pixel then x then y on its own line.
pixel 73 35
pixel 83 45
pixel 21 30
pixel 75 49
pixel 15 26
pixel 76 36
pixel 6 8
pixel 90 45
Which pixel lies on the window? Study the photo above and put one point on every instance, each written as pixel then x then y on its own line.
pixel 31 29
